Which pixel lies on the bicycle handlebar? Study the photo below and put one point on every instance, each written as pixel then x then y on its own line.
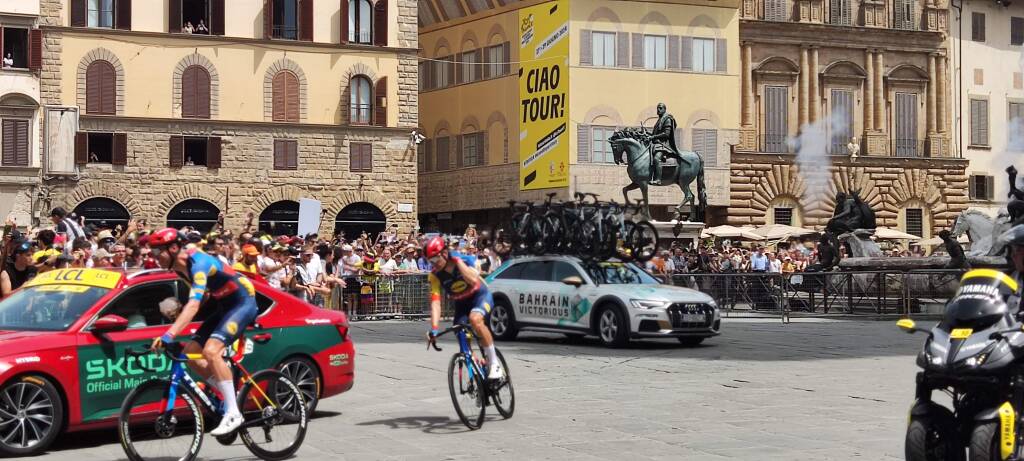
pixel 450 329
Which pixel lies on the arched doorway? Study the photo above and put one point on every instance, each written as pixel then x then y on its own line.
pixel 196 213
pixel 360 217
pixel 103 212
pixel 280 218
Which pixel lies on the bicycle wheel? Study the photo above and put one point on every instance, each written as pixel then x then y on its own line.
pixel 642 241
pixel 147 431
pixel 467 392
pixel 502 393
pixel 275 413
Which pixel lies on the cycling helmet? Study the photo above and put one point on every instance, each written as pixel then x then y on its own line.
pixel 434 247
pixel 165 237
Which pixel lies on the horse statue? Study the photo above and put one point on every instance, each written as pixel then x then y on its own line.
pixel 982 231
pixel 635 143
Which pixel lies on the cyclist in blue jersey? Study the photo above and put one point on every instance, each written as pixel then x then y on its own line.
pixel 236 310
pixel 454 274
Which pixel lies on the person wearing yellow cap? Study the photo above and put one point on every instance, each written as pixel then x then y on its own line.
pixel 248 262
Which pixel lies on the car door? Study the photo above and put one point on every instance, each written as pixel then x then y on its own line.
pixel 539 301
pixel 577 300
pixel 106 375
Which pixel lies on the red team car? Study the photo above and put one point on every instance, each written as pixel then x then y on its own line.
pixel 63 337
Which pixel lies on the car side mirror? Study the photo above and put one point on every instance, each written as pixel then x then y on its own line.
pixel 573 280
pixel 109 323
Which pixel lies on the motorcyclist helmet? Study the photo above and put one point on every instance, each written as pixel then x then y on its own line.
pixel 981 300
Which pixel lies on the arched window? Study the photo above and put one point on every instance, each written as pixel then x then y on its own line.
pixel 286 97
pixel 100 89
pixel 195 92
pixel 360 20
pixel 360 100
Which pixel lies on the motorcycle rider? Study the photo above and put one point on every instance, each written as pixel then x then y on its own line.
pixel 1014 240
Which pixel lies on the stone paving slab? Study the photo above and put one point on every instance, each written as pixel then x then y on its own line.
pixel 815 389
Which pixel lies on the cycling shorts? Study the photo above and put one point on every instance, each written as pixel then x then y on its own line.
pixel 226 325
pixel 480 302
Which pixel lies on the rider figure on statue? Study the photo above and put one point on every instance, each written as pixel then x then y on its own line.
pixel 663 143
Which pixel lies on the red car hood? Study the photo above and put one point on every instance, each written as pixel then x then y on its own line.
pixel 21 342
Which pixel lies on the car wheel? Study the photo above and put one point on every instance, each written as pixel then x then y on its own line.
pixel 31 415
pixel 690 340
pixel 305 374
pixel 611 328
pixel 503 321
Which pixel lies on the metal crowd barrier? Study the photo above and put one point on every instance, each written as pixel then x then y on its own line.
pixel 846 293
pixel 385 297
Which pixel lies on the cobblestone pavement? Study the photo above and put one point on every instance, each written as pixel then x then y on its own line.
pixel 810 390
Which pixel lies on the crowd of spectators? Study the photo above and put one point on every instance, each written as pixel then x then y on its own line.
pixel 309 267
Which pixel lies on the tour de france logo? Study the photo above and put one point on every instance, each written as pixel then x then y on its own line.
pixel 526 30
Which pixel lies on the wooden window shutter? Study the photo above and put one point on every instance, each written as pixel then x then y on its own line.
pixel 622 49
pixel 292 98
pixel 478 68
pixel 380 23
pixel 368 157
pixel 586 47
pixel 721 55
pixel 293 154
pixel 458 151
pixel 81 148
pixel 120 152
pixel 8 142
pixel 174 16
pixel 380 102
pixel 306 20
pixel 35 57
pixel 213 152
pixel 278 97
pixel 452 70
pixel 188 92
pixel 990 186
pixel 78 13
pixel 506 59
pixel 582 143
pixel 100 89
pixel 21 144
pixel 268 18
pixel 280 154
pixel 123 14
pixel 484 143
pixel 109 90
pixel 638 50
pixel 177 151
pixel 686 49
pixel 202 92
pixel 673 51
pixel 216 17
pixel 344 21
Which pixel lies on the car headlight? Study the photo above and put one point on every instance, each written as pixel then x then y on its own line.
pixel 649 304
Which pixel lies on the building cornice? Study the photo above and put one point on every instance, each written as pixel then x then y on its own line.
pixel 215 124
pixel 214 40
pixel 854 37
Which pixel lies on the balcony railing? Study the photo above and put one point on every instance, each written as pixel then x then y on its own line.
pixel 285 32
pixel 775 144
pixel 908 148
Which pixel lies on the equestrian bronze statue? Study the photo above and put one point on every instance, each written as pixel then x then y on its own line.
pixel 652 159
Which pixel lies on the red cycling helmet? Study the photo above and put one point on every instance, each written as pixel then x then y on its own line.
pixel 165 237
pixel 434 247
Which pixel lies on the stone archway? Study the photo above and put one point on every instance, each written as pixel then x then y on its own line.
pixel 195 59
pixel 191 191
pixel 277 194
pixel 107 190
pixel 372 197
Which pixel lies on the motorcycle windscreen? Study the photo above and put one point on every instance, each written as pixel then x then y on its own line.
pixel 974 312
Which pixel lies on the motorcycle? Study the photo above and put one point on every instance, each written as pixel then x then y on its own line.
pixel 972 355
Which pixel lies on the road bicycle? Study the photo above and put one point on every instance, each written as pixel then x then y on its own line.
pixel 470 389
pixel 164 418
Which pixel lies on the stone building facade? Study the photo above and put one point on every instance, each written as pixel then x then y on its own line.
pixel 861 90
pixel 624 58
pixel 307 109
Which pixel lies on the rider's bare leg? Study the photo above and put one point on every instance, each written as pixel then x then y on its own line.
pixel 201 367
pixel 213 352
pixel 483 334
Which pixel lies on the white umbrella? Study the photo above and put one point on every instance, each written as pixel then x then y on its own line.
pixel 781 232
pixel 885 233
pixel 937 241
pixel 730 232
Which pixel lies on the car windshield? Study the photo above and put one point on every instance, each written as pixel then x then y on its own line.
pixel 47 307
pixel 619 273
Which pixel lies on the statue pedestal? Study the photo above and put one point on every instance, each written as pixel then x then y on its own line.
pixel 678 230
pixel 861 245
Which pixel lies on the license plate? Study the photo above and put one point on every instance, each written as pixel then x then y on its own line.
pixel 693 318
pixel 960 333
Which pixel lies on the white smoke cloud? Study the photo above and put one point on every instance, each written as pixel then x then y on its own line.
pixel 812 153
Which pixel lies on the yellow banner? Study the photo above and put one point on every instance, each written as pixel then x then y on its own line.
pixel 87 277
pixel 544 96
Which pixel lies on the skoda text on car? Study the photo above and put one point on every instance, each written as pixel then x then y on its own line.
pixel 615 301
pixel 63 337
